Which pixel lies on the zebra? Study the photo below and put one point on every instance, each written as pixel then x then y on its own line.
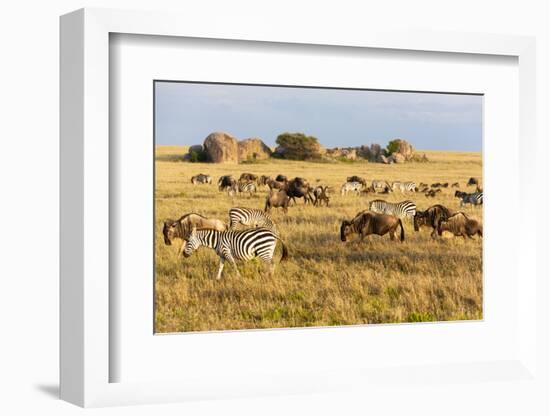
pixel 475 198
pixel 401 209
pixel 351 186
pixel 250 217
pixel 201 178
pixel 242 187
pixel 404 186
pixel 383 185
pixel 237 245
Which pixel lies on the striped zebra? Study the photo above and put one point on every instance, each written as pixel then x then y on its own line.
pixel 351 187
pixel 404 186
pixel 475 198
pixel 383 185
pixel 236 245
pixel 242 187
pixel 250 217
pixel 401 209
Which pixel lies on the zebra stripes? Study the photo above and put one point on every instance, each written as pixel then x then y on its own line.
pixel 236 245
pixel 475 198
pixel 250 217
pixel 404 186
pixel 351 187
pixel 242 187
pixel 401 209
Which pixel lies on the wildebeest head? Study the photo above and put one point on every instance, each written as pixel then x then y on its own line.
pixel 459 194
pixel 345 230
pixel 419 220
pixel 169 231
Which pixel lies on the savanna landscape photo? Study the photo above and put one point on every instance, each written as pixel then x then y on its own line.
pixel 279 207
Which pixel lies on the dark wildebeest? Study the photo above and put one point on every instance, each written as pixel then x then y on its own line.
pixel 249 177
pixel 281 178
pixel 275 184
pixel 367 223
pixel 430 193
pixel 299 188
pixel 472 181
pixel 431 218
pixel 455 185
pixel 201 178
pixel 225 182
pixel 320 194
pixel 262 180
pixel 435 185
pixel 277 199
pixel 460 225
pixel 356 178
pixel 182 228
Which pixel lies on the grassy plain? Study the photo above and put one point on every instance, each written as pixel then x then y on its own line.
pixel 325 282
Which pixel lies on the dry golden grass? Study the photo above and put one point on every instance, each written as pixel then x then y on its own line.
pixel 325 281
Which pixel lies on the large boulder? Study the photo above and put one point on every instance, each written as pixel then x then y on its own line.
pixel 402 147
pixel 253 148
pixel 383 159
pixel 396 158
pixel 221 148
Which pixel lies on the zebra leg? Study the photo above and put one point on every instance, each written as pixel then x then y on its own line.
pixel 220 268
pixel 232 260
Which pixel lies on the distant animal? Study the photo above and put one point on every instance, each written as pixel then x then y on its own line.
pixel 403 209
pixel 181 228
pixel 201 178
pixel 237 245
pixel 277 199
pixel 320 195
pixel 249 217
pixel 367 223
pixel 275 184
pixel 377 184
pixel 460 225
pixel 472 181
pixel 263 179
pixel 281 178
pixel 404 186
pixel 445 185
pixel 248 177
pixel 435 185
pixel 225 182
pixel 431 218
pixel 422 185
pixel 356 178
pixel 455 185
pixel 351 187
pixel 367 190
pixel 430 193
pixel 242 187
pixel 475 198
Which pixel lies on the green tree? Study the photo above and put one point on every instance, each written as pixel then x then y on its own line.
pixel 392 147
pixel 298 146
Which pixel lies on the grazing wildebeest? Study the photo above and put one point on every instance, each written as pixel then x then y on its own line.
pixel 460 225
pixel 431 218
pixel 445 185
pixel 249 177
pixel 423 185
pixel 237 245
pixel 430 193
pixel 182 228
pixel 404 186
pixel 201 178
pixel 455 185
pixel 299 188
pixel 320 193
pixel 435 185
pixel 226 181
pixel 275 184
pixel 475 198
pixel 356 178
pixel 277 199
pixel 472 181
pixel 351 187
pixel 262 180
pixel 367 223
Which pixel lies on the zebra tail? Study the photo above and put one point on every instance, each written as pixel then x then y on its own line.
pixel 285 250
pixel 402 230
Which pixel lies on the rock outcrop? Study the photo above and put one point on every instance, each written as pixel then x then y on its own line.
pixel 253 148
pixel 221 148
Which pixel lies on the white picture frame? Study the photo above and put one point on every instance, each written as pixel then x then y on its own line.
pixel 85 354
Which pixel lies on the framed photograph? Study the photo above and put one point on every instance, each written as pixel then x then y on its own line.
pixel 268 214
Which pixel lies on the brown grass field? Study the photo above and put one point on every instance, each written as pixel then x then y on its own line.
pixel 325 281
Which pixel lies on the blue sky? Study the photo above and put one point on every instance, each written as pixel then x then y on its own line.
pixel 186 113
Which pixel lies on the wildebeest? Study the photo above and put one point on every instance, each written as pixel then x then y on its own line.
pixel 472 181
pixel 281 178
pixel 320 194
pixel 275 184
pixel 431 218
pixel 356 178
pixel 263 179
pixel 225 182
pixel 460 225
pixel 299 188
pixel 455 185
pixel 351 187
pixel 248 177
pixel 201 178
pixel 430 193
pixel 181 228
pixel 367 190
pixel 277 199
pixel 367 223
pixel 475 198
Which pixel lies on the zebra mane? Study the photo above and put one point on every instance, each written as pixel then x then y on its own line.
pixel 188 214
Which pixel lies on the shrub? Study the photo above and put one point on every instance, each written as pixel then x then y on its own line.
pixel 197 156
pixel 298 146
